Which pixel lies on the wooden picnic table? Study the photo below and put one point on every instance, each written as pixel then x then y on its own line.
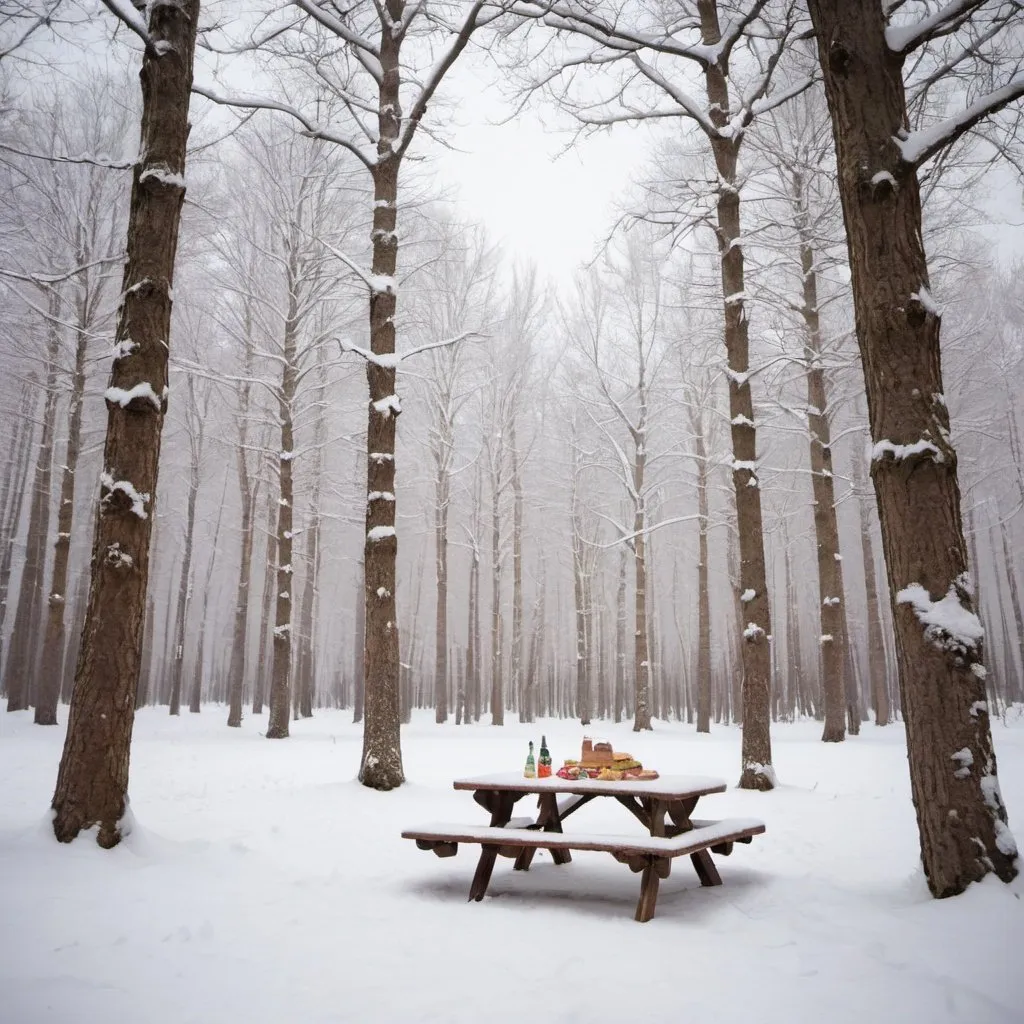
pixel 664 806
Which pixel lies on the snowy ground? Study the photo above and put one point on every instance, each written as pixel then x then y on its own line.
pixel 262 884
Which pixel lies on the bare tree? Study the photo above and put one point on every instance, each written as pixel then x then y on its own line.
pixel 863 54
pixel 92 782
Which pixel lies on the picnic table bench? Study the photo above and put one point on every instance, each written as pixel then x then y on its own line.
pixel 664 806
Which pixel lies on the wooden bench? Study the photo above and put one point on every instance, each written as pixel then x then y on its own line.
pixel 651 855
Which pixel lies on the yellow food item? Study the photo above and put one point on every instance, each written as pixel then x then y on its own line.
pixel 609 775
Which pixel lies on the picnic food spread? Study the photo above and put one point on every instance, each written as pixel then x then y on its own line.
pixel 599 761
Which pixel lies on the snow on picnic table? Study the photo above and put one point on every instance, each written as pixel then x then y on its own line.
pixel 263 884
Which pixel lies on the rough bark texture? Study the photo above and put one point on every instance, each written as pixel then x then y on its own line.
pixel 381 764
pixel 50 665
pixel 757 749
pixel 960 813
pixel 19 671
pixel 92 782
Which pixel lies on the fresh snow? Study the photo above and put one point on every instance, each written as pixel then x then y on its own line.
pixel 124 396
pixel 379 533
pixel 136 497
pixel 164 175
pixel 261 883
pixel 748 595
pixel 904 451
pixel 947 622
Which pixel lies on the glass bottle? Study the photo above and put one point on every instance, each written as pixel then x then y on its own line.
pixel 544 763
pixel 530 771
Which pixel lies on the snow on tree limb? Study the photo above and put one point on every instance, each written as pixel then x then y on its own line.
pixel 130 17
pixel 922 145
pixel 903 39
pixel 310 128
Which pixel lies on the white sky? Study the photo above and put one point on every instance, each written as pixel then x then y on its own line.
pixel 546 201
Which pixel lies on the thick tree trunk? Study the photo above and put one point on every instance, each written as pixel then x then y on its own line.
pixel 20 670
pixel 381 763
pixel 51 667
pixel 757 772
pixel 92 782
pixel 960 813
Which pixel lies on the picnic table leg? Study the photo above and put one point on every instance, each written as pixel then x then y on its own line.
pixel 484 867
pixel 654 870
pixel 500 805
pixel 705 868
pixel 549 820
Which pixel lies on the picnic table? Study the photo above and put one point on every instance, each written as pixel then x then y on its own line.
pixel 664 806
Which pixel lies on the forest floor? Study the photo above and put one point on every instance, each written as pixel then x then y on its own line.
pixel 263 885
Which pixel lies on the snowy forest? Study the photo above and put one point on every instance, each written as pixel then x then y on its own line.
pixel 288 429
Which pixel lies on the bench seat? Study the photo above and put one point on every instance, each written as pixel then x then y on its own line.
pixel 650 854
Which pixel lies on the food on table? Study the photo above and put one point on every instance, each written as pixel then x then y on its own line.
pixel 600 761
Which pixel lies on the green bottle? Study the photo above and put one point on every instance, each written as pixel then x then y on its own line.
pixel 530 771
pixel 544 764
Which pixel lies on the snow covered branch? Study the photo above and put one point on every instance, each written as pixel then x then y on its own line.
pixel 921 145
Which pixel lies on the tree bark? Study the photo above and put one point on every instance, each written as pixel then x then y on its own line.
pixel 51 667
pixel 703 594
pixel 757 772
pixel 19 671
pixel 247 499
pixel 92 781
pixel 18 477
pixel 381 763
pixel 832 636
pixel 961 816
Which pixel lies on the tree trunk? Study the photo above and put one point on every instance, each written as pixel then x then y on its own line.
pixel 50 672
pixel 196 689
pixel 247 499
pixel 92 782
pixel 441 508
pixel 381 763
pixel 280 680
pixel 185 583
pixel 756 755
pixel 359 646
pixel 20 670
pixel 960 813
pixel 878 670
pixel 703 595
pixel 18 476
pixel 515 671
pixel 497 620
pixel 831 598
pixel 259 687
